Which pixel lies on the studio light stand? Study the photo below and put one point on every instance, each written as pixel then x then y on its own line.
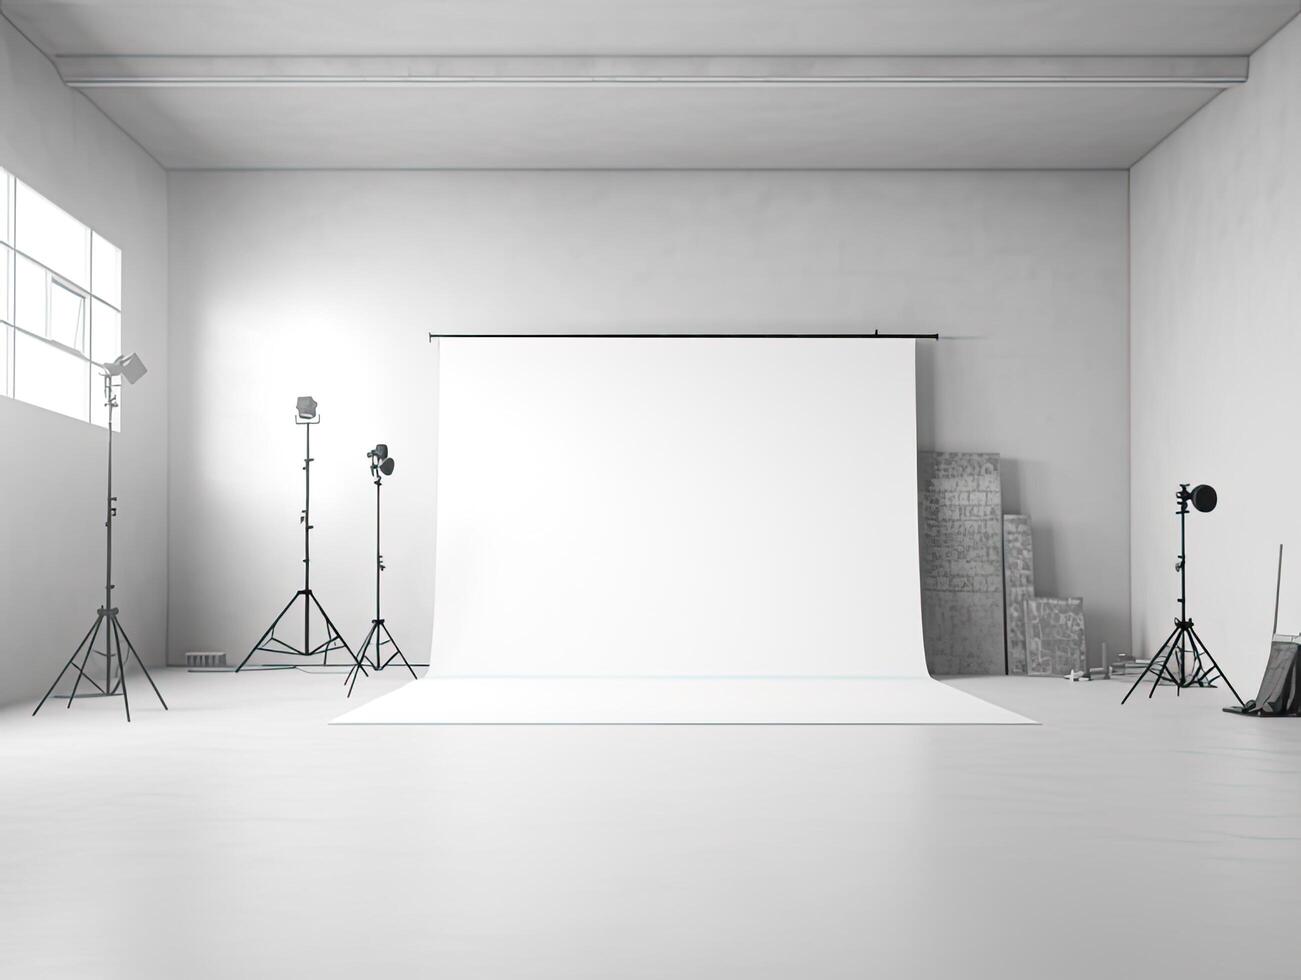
pixel 371 652
pixel 106 625
pixel 1183 640
pixel 306 416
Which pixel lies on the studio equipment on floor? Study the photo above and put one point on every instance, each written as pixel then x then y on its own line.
pixel 372 651
pixel 307 416
pixel 1171 662
pixel 131 368
pixel 1280 689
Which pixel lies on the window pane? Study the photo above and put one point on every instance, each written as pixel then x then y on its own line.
pixel 105 333
pixel 67 316
pixel 51 236
pixel 4 205
pixel 29 296
pixel 51 378
pixel 106 271
pixel 6 273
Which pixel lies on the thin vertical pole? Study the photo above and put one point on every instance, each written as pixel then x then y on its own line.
pixel 1183 582
pixel 1183 562
pixel 307 543
pixel 1278 588
pixel 379 560
pixel 121 664
pixel 108 523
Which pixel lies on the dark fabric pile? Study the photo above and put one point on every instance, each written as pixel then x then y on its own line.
pixel 1280 688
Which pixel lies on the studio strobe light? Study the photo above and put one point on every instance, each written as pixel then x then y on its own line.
pixel 371 651
pixel 307 416
pixel 131 368
pixel 1172 660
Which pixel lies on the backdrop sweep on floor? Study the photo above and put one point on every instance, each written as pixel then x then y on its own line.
pixel 677 529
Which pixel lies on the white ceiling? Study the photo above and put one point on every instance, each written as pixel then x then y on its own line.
pixel 651 27
pixel 773 83
pixel 550 127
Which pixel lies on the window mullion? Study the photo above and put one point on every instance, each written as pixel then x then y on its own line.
pixel 57 340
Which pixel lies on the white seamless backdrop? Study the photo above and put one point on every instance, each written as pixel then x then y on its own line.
pixel 327 283
pixel 677 507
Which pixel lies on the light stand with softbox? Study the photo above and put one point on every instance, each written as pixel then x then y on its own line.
pixel 371 651
pixel 131 368
pixel 1183 640
pixel 307 416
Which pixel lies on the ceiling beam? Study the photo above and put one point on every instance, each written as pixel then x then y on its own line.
pixel 154 71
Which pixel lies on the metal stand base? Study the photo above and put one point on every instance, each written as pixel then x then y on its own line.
pixel 371 653
pixel 106 625
pixel 1182 641
pixel 270 643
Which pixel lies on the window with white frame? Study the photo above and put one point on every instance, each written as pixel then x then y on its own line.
pixel 60 305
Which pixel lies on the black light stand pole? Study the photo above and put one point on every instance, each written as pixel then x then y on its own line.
pixel 1183 639
pixel 307 537
pixel 106 620
pixel 379 558
pixel 307 417
pixel 109 513
pixel 1183 584
pixel 381 465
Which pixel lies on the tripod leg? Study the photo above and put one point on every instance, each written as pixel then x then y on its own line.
pixel 145 670
pixel 1177 651
pixel 357 668
pixel 1150 664
pixel 270 629
pixel 90 648
pixel 351 679
pixel 400 654
pixel 71 660
pixel 1202 675
pixel 1209 656
pixel 1165 671
pixel 116 641
pixel 329 623
pixel 372 637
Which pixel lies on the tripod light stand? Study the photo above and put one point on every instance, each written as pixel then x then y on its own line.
pixel 106 625
pixel 1183 639
pixel 371 651
pixel 306 416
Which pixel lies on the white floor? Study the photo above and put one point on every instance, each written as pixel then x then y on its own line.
pixel 242 836
pixel 504 700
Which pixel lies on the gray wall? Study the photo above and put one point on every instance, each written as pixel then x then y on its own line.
pixel 52 467
pixel 1216 351
pixel 287 283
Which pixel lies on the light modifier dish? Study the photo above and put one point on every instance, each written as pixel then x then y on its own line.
pixel 128 366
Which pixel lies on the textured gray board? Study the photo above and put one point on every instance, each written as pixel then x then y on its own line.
pixel 960 512
pixel 1054 636
pixel 1018 585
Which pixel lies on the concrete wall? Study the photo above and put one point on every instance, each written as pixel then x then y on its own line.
pixel 1216 354
pixel 326 283
pixel 52 467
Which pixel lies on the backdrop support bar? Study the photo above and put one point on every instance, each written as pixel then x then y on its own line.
pixel 875 335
